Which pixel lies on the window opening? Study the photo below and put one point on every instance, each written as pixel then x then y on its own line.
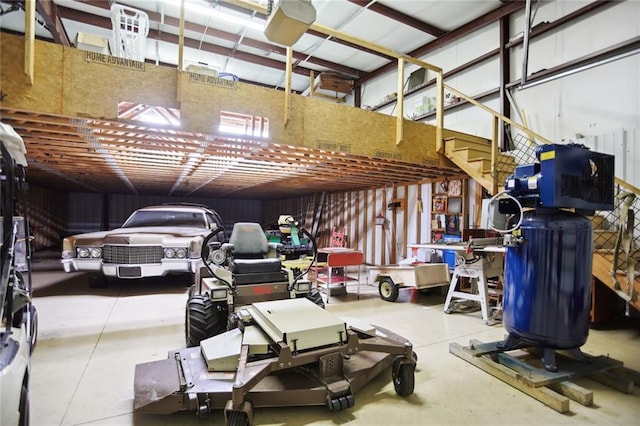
pixel 244 124
pixel 151 114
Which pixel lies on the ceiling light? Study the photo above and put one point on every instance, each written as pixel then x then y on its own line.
pixel 222 16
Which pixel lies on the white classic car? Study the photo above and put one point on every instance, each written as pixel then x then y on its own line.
pixel 154 241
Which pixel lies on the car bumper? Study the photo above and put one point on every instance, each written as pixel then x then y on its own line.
pixel 131 271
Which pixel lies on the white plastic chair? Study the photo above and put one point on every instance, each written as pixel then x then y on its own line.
pixel 130 29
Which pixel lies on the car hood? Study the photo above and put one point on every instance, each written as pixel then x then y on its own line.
pixel 145 235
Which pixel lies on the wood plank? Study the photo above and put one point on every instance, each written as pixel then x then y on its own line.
pixel 602 270
pixel 559 403
pixel 628 373
pixel 575 392
pixel 536 375
pixel 617 382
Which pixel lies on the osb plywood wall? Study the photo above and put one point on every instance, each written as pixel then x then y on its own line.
pixel 77 83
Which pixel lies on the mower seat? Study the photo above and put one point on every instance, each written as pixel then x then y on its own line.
pixel 249 248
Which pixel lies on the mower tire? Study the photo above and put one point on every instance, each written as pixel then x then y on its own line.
pixel 403 375
pixel 203 319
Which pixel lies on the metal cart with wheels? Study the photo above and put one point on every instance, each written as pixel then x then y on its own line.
pixel 391 278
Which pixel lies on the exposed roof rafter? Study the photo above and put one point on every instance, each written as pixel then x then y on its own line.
pixel 48 10
pixel 400 17
pixel 487 18
pixel 201 29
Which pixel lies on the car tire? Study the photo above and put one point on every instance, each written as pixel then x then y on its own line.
pixel 33 314
pixel 203 319
pixel 97 280
pixel 24 409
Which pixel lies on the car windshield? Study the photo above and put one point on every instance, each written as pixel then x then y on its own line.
pixel 165 218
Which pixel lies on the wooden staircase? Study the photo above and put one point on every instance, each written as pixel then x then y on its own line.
pixel 603 258
pixel 473 155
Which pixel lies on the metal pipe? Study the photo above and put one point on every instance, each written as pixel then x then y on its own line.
pixel 604 60
pixel 525 41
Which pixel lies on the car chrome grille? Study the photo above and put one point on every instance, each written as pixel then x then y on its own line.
pixel 132 255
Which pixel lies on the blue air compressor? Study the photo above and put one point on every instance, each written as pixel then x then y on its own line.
pixel 547 279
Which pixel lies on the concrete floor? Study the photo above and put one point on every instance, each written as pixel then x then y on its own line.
pixel 90 340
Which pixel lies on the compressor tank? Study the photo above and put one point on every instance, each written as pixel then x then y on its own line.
pixel 547 288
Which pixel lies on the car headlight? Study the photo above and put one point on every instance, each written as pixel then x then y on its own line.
pixel 175 253
pixel 89 252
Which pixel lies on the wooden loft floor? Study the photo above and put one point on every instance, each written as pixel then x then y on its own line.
pixel 69 118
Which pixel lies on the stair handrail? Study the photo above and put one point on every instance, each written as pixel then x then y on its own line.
pixel 626 185
pixel 539 139
pixel 497 114
pixel 496 118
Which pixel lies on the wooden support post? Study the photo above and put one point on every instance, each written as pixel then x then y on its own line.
pixel 419 211
pixel 400 102
pixel 180 52
pixel 29 39
pixel 477 211
pixel 287 85
pixel 439 112
pixel 405 221
pixel 312 89
pixel 494 155
pixel 374 203
pixel 181 39
pixel 394 228
pixel 383 248
pixel 365 225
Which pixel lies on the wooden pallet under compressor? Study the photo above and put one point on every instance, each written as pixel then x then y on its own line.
pixel 525 373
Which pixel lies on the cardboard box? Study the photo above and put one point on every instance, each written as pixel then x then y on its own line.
pixel 334 83
pixel 92 43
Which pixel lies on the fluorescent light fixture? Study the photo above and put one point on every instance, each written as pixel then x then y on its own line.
pixel 217 14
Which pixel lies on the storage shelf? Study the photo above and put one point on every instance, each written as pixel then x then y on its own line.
pixel 448 209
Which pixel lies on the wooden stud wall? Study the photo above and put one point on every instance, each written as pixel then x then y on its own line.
pixel 357 210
